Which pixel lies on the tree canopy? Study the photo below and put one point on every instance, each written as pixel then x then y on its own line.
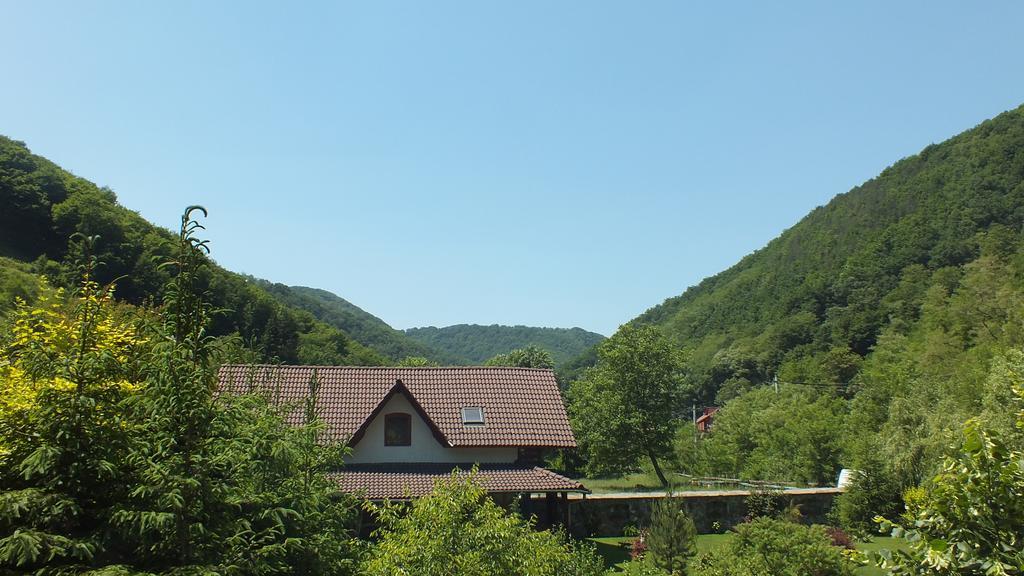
pixel 625 408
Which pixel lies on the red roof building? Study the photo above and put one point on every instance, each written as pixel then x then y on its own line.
pixel 408 427
pixel 707 419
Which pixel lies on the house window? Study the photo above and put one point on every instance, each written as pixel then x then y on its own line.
pixel 473 416
pixel 397 429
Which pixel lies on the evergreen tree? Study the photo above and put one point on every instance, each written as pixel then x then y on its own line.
pixel 672 537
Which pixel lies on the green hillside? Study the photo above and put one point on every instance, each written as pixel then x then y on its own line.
pixel 813 302
pixel 863 337
pixel 356 322
pixel 477 343
pixel 44 205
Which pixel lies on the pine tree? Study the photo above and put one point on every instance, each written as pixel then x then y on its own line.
pixel 672 536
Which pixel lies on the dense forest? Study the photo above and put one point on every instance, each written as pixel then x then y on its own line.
pixel 364 327
pixel 45 205
pixel 863 337
pixel 475 343
pixel 810 305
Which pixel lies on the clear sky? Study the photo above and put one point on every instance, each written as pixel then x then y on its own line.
pixel 539 163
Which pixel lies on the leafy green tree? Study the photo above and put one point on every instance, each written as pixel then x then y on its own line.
pixel 458 531
pixel 971 520
pixel 672 536
pixel 792 435
pixel 624 409
pixel 530 357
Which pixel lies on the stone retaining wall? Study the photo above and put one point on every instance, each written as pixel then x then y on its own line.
pixel 609 515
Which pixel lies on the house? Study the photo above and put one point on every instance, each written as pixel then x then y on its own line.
pixel 706 420
pixel 408 427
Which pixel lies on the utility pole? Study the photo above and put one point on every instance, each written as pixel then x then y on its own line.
pixel 695 433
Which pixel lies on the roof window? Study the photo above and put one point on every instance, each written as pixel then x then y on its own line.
pixel 473 416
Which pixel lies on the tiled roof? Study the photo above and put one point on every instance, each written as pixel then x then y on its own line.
pixel 522 406
pixel 403 481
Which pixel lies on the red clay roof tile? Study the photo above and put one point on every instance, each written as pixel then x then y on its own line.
pixel 522 406
pixel 404 481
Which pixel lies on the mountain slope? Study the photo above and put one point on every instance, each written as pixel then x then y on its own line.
pixel 813 302
pixel 478 343
pixel 356 322
pixel 44 205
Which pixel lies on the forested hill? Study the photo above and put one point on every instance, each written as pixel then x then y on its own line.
pixel 477 344
pixel 813 302
pixel 356 322
pixel 43 205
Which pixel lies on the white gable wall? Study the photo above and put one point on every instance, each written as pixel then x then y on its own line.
pixel 425 447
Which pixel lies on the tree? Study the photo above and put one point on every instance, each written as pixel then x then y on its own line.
pixel 532 356
pixel 64 434
pixel 672 536
pixel 971 520
pixel 624 408
pixel 456 530
pixel 222 484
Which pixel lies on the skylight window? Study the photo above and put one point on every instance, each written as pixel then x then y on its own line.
pixel 473 416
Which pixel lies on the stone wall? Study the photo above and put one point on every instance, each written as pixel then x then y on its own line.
pixel 609 515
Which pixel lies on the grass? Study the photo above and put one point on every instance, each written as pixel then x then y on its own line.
pixel 639 482
pixel 878 543
pixel 615 551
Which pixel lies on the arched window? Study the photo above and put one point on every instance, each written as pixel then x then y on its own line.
pixel 397 429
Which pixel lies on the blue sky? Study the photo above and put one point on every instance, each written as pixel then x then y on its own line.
pixel 538 163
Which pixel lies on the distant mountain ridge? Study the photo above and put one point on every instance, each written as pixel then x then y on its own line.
pixel 358 323
pixel 476 343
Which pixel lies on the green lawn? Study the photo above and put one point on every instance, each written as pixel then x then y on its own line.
pixel 615 551
pixel 879 543
pixel 639 482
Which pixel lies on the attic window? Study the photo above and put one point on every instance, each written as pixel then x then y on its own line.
pixel 473 416
pixel 397 429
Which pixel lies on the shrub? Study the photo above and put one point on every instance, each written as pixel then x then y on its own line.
pixel 839 537
pixel 638 549
pixel 764 502
pixel 776 547
pixel 456 530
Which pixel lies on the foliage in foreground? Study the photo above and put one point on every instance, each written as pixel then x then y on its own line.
pixel 777 547
pixel 118 456
pixel 458 531
pixel 971 520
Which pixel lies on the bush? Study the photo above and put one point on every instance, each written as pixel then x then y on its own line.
pixel 638 549
pixel 776 547
pixel 456 530
pixel 839 537
pixel 764 502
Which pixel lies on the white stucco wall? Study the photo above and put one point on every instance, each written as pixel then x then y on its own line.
pixel 424 448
